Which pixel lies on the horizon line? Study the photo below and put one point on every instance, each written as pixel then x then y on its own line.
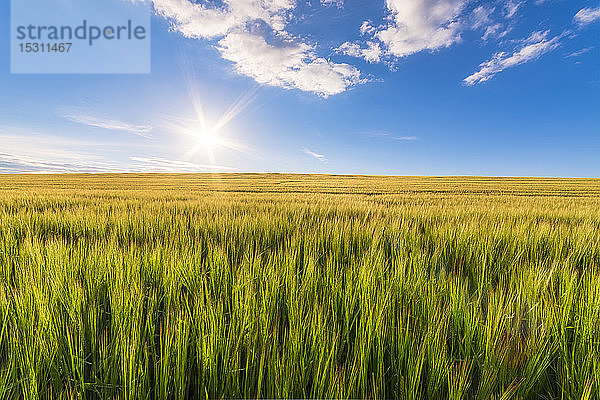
pixel 99 174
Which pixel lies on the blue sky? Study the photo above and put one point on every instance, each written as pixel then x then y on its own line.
pixel 400 87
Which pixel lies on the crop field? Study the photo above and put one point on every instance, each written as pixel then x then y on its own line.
pixel 299 286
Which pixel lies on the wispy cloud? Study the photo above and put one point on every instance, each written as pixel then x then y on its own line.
pixel 34 152
pixel 110 124
pixel 587 15
pixel 481 16
pixel 158 164
pixel 511 8
pixel 18 163
pixel 41 153
pixel 406 138
pixel 530 49
pixel 390 136
pixel 311 153
pixel 579 52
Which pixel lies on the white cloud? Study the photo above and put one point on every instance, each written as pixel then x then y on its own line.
pixel 587 15
pixel 480 16
pixel 113 125
pixel 372 53
pixel 419 25
pixel 511 8
pixel 531 48
pixel 289 65
pixel 197 20
pixel 495 30
pixel 252 35
pixel 311 153
pixel 367 29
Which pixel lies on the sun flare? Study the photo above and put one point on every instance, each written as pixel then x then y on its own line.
pixel 210 137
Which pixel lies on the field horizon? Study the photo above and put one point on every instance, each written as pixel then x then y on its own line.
pixel 324 174
pixel 172 179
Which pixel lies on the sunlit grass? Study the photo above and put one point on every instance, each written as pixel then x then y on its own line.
pixel 246 286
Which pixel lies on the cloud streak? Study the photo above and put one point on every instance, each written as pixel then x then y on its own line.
pixel 315 155
pixel 537 44
pixel 15 163
pixel 37 152
pixel 18 163
pixel 109 124
pixel 579 52
pixel 158 164
pixel 387 135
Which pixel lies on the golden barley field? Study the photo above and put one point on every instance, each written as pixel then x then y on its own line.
pixel 299 286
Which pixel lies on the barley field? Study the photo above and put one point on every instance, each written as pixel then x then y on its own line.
pixel 298 286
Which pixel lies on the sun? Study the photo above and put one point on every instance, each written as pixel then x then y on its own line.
pixel 207 137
